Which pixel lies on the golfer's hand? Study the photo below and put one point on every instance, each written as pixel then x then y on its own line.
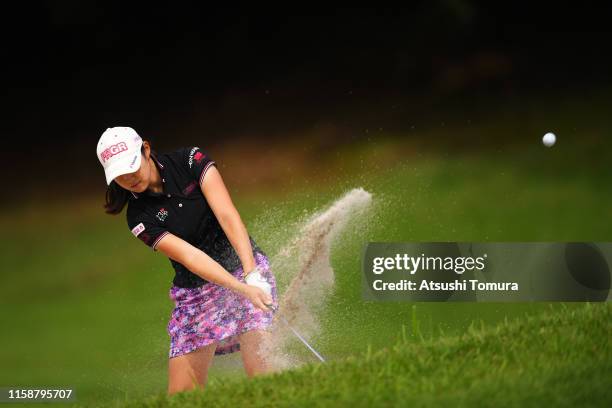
pixel 258 297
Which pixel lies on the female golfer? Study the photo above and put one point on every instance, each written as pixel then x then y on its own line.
pixel 223 289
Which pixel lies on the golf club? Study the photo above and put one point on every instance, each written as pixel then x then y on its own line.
pixel 298 335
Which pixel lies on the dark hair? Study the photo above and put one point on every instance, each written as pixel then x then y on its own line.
pixel 117 196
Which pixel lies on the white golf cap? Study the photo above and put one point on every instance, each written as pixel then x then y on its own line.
pixel 119 151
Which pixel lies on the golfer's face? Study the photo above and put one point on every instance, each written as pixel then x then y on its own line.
pixel 137 181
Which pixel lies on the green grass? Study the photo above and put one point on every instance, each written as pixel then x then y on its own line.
pixel 558 357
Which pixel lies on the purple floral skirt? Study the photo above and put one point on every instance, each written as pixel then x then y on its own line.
pixel 212 313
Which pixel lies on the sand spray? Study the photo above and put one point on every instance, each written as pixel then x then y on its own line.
pixel 306 258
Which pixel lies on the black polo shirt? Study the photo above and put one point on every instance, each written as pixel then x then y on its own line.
pixel 182 209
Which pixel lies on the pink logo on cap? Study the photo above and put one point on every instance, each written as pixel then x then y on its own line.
pixel 113 150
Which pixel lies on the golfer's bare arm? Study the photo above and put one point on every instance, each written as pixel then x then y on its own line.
pixel 221 204
pixel 198 262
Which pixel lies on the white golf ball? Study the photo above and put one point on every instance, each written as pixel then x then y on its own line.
pixel 549 139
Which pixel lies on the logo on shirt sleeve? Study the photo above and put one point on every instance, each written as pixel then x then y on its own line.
pixel 199 156
pixel 138 229
pixel 191 153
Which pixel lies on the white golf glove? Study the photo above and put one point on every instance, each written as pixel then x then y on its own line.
pixel 255 278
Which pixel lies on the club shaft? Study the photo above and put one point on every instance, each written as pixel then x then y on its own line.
pixel 303 340
pixel 299 336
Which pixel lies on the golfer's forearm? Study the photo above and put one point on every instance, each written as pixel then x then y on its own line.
pixel 238 236
pixel 207 268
